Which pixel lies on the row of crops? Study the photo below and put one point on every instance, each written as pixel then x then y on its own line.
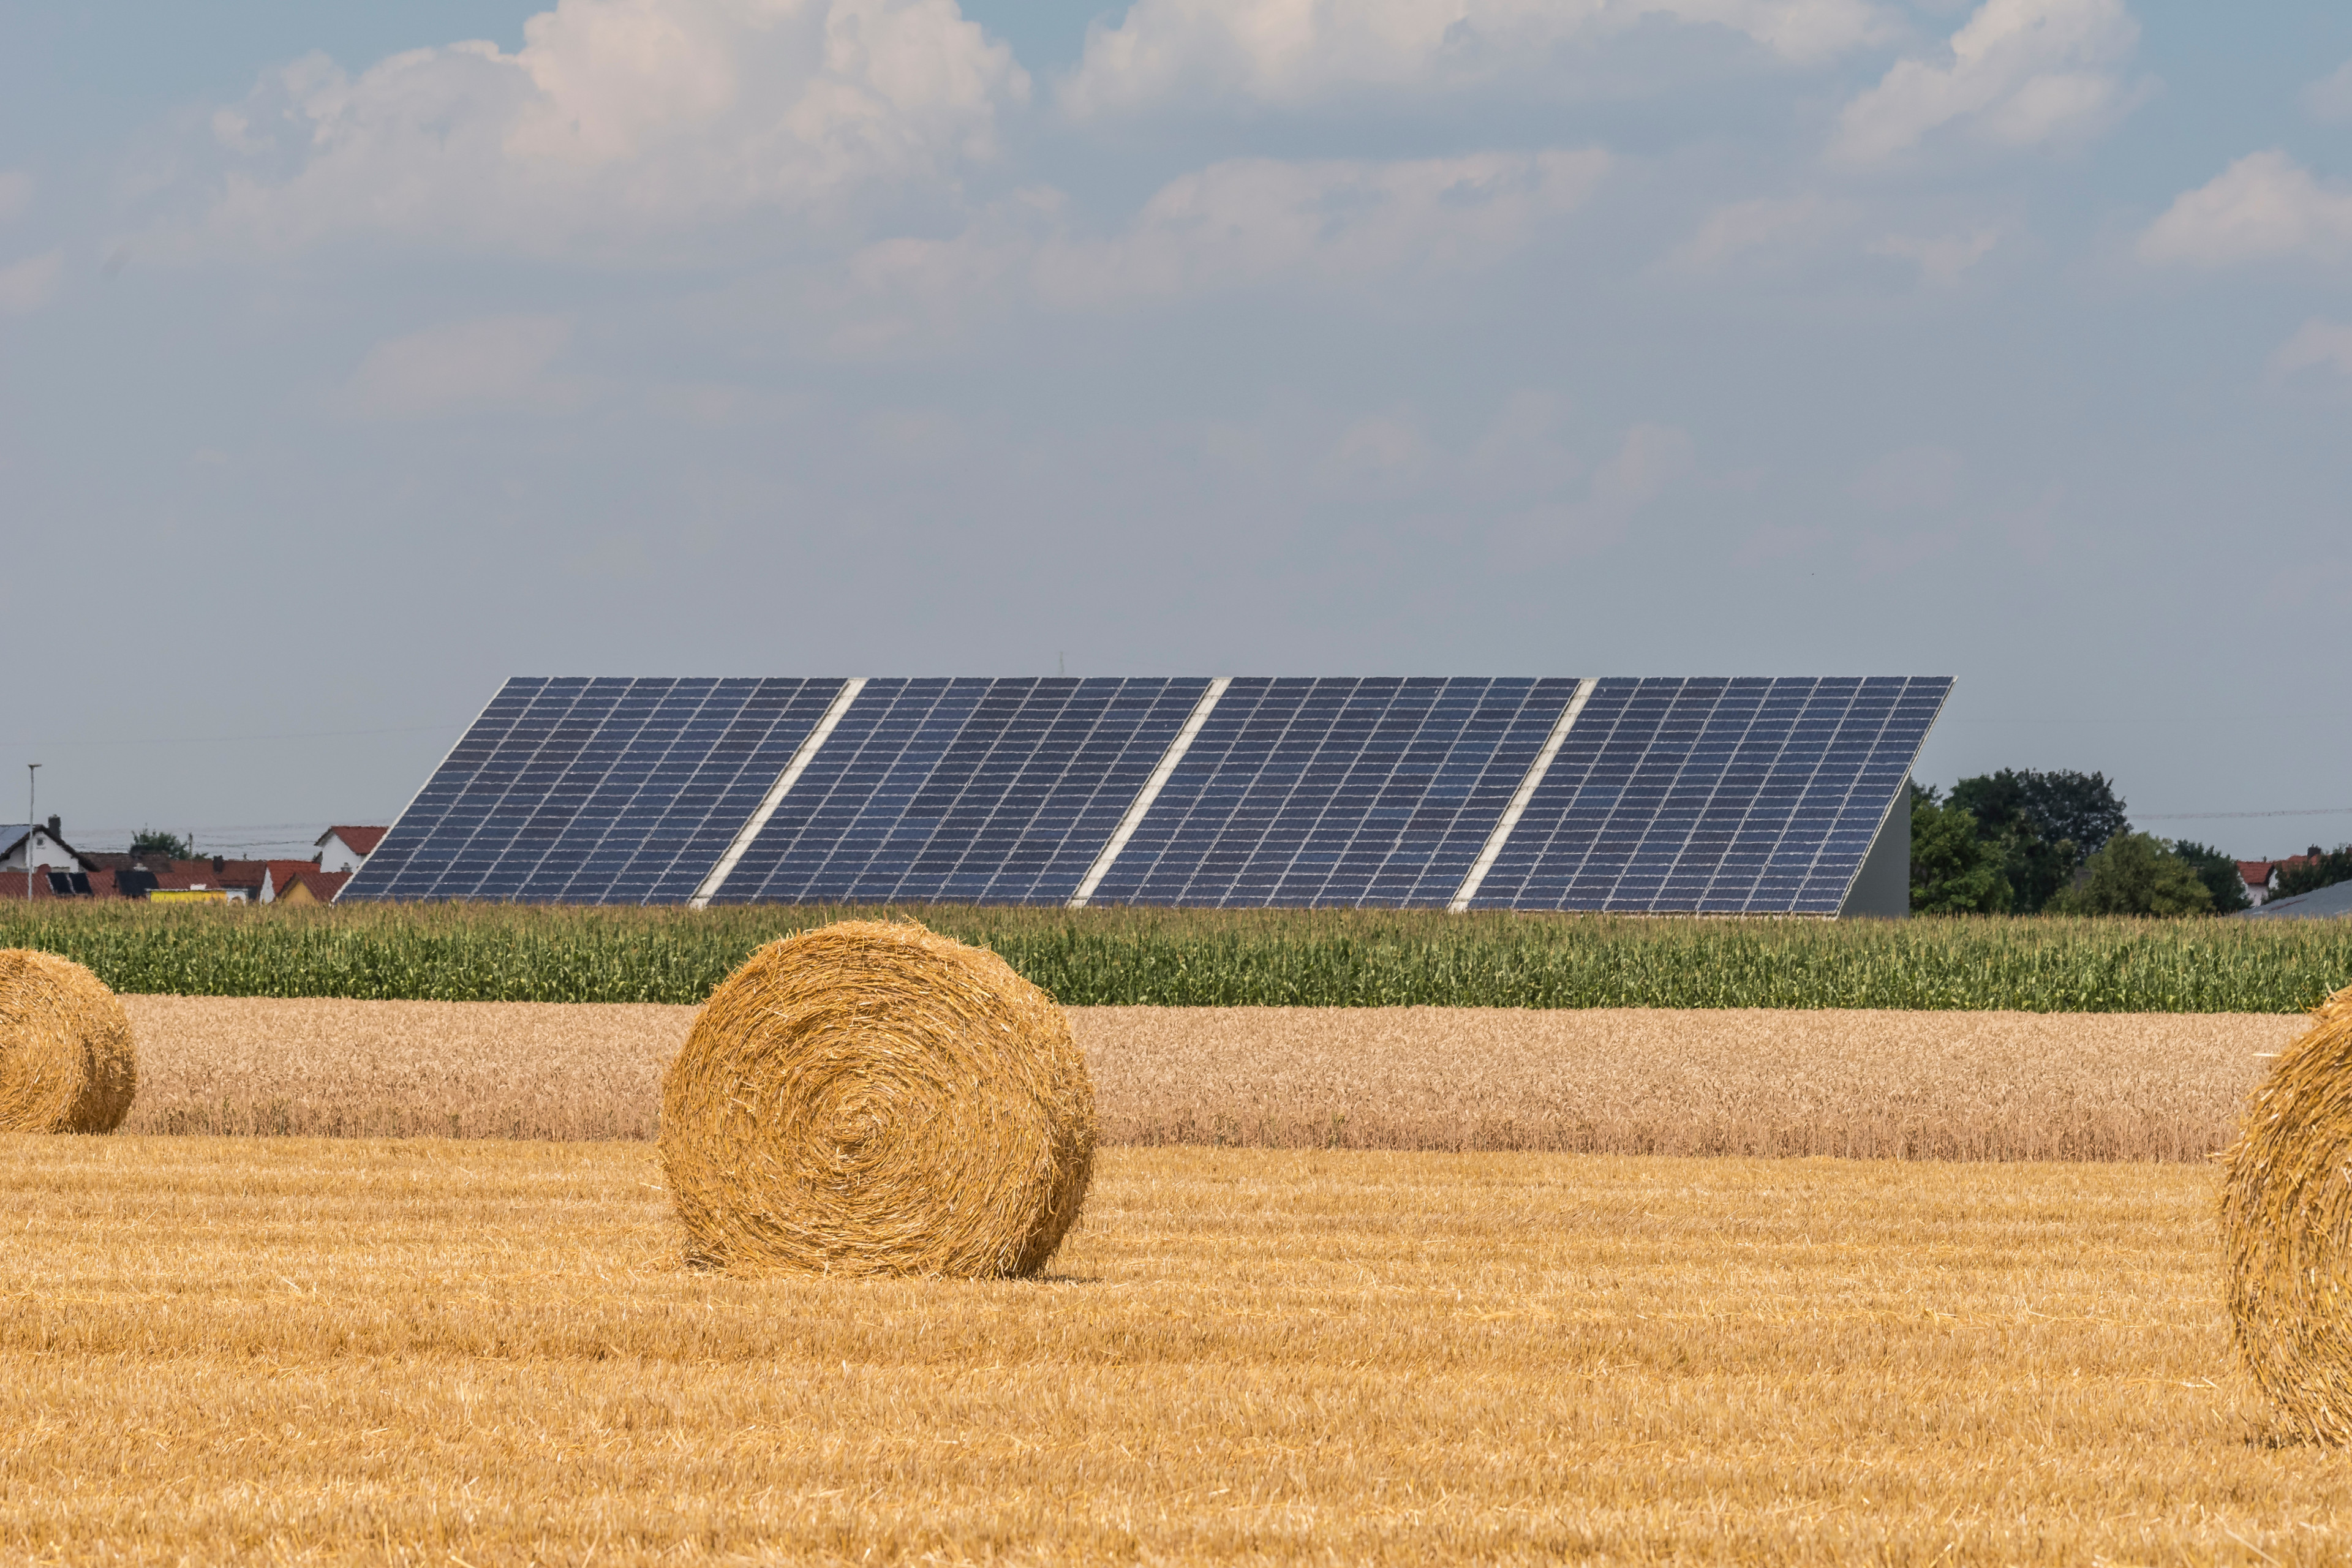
pixel 1210 958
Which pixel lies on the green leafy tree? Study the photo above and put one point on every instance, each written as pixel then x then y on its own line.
pixel 2135 874
pixel 2218 872
pixel 163 846
pixel 1953 871
pixel 2043 823
pixel 2324 870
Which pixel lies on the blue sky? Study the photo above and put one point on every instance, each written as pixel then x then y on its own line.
pixel 354 359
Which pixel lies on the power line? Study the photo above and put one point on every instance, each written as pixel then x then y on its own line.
pixel 2216 816
pixel 226 739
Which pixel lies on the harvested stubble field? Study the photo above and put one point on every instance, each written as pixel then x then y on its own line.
pixel 1979 1086
pixel 427 1352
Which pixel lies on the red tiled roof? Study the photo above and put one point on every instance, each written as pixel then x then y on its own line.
pixel 362 840
pixel 323 885
pixel 12 886
pixel 284 871
pixel 200 876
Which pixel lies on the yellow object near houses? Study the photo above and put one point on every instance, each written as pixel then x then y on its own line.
pixel 188 896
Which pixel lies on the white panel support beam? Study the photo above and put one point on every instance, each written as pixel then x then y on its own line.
pixel 1150 791
pixel 776 792
pixel 1519 799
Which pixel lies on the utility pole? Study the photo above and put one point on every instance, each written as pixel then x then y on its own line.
pixel 32 773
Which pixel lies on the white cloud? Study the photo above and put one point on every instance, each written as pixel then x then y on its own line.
pixel 1291 52
pixel 1258 220
pixel 496 363
pixel 1376 456
pixel 1768 225
pixel 2329 100
pixel 2019 73
pixel 31 283
pixel 1941 259
pixel 15 192
pixel 1526 449
pixel 1914 479
pixel 2316 345
pixel 2262 207
pixel 617 120
pixel 1649 462
pixel 1243 224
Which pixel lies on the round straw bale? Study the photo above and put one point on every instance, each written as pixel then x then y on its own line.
pixel 869 1098
pixel 2286 1216
pixel 67 1063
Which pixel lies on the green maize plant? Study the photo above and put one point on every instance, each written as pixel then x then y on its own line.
pixel 1290 958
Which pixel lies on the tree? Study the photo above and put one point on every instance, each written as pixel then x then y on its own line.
pixel 164 845
pixel 2324 870
pixel 2135 874
pixel 2044 825
pixel 2218 872
pixel 1953 871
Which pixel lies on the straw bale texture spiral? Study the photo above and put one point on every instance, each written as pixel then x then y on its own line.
pixel 2286 1214
pixel 869 1098
pixel 67 1061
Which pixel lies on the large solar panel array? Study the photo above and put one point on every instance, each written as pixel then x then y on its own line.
pixel 594 792
pixel 1700 796
pixel 982 792
pixel 1714 796
pixel 1310 792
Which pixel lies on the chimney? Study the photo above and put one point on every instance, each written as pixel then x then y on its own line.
pixel 219 866
pixel 56 826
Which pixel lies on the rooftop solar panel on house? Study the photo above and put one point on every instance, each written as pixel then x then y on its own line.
pixel 1714 796
pixel 1337 792
pixel 965 791
pixel 1728 796
pixel 593 792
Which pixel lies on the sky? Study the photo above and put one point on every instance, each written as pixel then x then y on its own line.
pixel 354 359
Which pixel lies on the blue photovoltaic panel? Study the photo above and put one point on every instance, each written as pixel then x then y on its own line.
pixel 997 792
pixel 597 791
pixel 1338 791
pixel 1716 796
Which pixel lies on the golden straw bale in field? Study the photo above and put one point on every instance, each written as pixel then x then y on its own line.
pixel 869 1098
pixel 67 1062
pixel 2286 1210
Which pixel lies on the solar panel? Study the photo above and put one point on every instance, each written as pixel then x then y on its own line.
pixel 581 791
pixel 1337 792
pixel 1714 796
pixel 968 791
pixel 1744 795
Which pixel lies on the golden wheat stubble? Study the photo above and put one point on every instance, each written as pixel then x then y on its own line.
pixel 413 1350
pixel 1625 1080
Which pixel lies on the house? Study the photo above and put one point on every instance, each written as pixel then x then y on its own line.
pixel 346 849
pixel 51 884
pixel 37 843
pixel 2261 877
pixel 199 885
pixel 280 875
pixel 310 886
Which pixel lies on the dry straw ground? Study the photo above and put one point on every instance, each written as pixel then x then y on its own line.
pixel 423 1351
pixel 1916 1084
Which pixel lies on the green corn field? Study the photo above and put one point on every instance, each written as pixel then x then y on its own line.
pixel 504 952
